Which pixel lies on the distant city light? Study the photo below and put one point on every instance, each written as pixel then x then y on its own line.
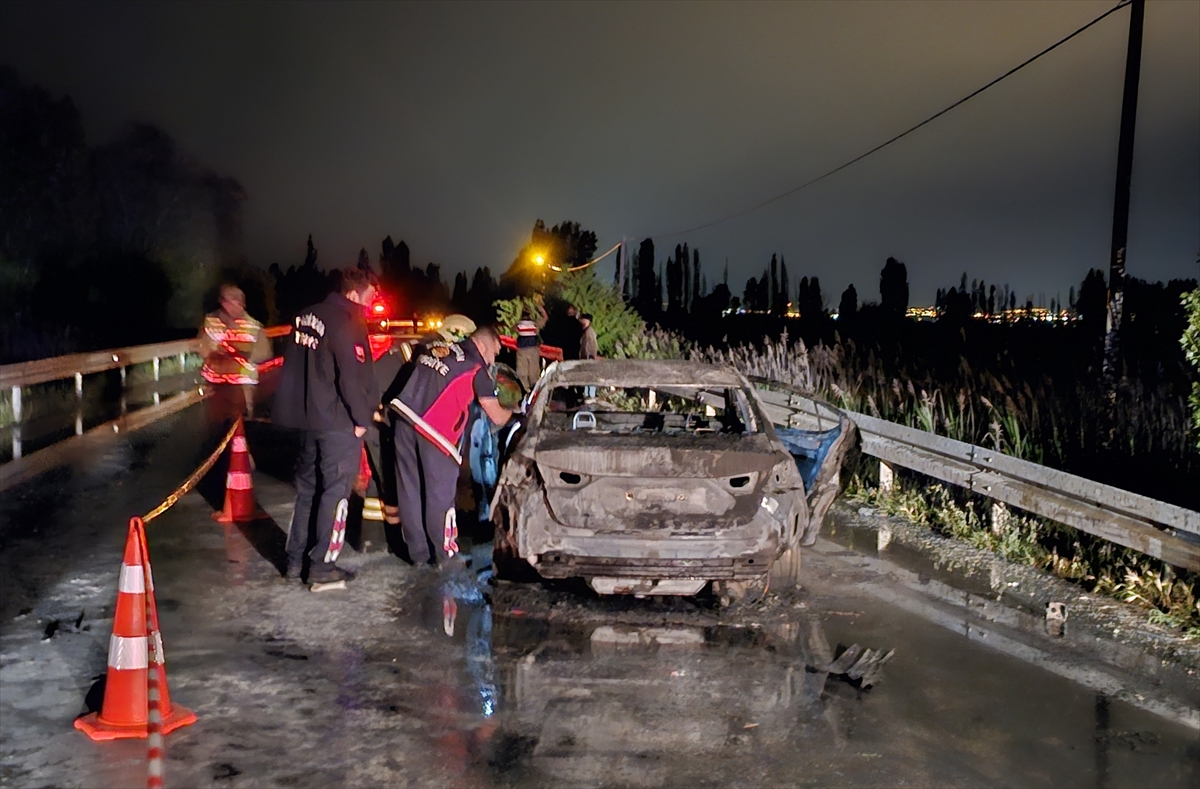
pixel 1015 315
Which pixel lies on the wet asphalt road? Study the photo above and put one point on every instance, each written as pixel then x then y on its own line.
pixel 412 679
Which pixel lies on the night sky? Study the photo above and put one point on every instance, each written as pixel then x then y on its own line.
pixel 455 126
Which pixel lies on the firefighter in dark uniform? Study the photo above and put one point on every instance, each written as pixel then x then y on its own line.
pixel 433 412
pixel 327 389
pixel 391 368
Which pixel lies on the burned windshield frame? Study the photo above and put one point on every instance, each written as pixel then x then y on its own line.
pixel 704 409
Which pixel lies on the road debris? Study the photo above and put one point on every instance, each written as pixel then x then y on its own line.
pixel 1056 619
pixel 860 666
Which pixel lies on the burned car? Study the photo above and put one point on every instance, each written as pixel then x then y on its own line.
pixel 659 477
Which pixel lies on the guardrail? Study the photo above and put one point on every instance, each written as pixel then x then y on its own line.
pixel 77 365
pixel 1155 528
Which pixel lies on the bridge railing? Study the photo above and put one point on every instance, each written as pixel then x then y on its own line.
pixel 77 365
pixel 1155 528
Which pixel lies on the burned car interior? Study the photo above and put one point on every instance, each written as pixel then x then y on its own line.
pixel 670 412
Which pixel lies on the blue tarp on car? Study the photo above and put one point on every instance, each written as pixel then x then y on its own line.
pixel 809 448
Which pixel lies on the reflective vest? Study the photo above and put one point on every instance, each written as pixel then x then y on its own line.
pixel 229 362
pixel 527 334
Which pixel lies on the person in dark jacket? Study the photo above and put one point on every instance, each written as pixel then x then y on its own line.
pixel 391 374
pixel 433 412
pixel 327 389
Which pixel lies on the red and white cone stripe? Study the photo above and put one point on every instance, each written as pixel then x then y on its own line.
pixel 238 480
pixel 154 734
pixel 154 718
pixel 127 653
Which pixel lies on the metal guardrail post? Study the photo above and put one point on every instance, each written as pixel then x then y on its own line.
pixel 1000 515
pixel 887 477
pixel 16 404
pixel 156 368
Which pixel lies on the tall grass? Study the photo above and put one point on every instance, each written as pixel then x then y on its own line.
pixel 1065 424
pixel 1045 421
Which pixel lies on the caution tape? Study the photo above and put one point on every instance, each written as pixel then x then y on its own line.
pixel 195 478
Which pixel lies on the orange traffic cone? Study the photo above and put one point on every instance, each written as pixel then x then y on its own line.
pixel 132 649
pixel 239 486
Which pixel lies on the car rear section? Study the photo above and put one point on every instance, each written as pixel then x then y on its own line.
pixel 634 517
pixel 689 487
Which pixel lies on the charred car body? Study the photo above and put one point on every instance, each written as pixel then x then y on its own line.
pixel 660 477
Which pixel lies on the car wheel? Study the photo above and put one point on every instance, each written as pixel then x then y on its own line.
pixel 506 564
pixel 735 594
pixel 785 573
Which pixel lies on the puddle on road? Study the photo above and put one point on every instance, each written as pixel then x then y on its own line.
pixel 533 701
pixel 865 541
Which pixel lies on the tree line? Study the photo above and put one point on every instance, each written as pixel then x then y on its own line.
pixel 102 245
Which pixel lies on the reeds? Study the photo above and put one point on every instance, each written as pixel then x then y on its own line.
pixel 1062 422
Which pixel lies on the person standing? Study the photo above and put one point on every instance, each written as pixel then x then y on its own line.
pixel 433 410
pixel 327 390
pixel 529 354
pixel 232 345
pixel 572 332
pixel 589 348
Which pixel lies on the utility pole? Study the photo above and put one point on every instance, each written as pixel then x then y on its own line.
pixel 622 286
pixel 1120 227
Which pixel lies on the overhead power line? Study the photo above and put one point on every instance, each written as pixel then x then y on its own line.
pixel 902 134
pixel 591 262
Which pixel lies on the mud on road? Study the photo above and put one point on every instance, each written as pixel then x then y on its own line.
pixel 411 678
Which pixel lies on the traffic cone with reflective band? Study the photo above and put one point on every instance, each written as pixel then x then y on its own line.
pixel 239 485
pixel 125 710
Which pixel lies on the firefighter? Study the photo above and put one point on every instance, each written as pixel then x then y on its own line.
pixel 433 412
pixel 232 345
pixel 391 377
pixel 327 389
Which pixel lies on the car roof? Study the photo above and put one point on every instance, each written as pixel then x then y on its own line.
pixel 644 373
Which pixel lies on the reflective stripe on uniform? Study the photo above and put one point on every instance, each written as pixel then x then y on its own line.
pixel 450 533
pixel 133 580
pixel 127 654
pixel 338 537
pixel 427 430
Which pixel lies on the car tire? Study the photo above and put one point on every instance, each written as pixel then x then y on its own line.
pixel 785 572
pixel 506 564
